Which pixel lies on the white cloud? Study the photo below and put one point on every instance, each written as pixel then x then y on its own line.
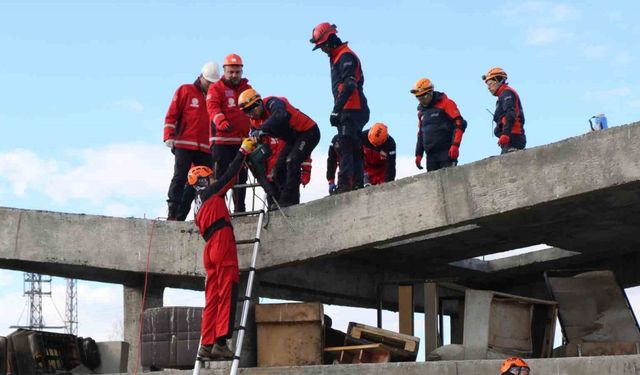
pixel 130 105
pixel 544 35
pixel 22 168
pixel 111 172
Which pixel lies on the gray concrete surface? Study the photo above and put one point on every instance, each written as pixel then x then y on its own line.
pixel 613 365
pixel 114 356
pixel 579 195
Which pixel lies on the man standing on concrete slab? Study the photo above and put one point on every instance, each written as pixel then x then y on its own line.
pixel 514 366
pixel 509 117
pixel 440 127
pixel 186 133
pixel 350 110
pixel 379 150
pixel 229 125
pixel 220 254
pixel 276 117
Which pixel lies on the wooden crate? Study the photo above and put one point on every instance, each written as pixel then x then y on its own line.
pixel 290 334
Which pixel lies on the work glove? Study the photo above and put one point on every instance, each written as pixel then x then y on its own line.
pixel 305 175
pixel 454 152
pixel 503 141
pixel 332 187
pixel 334 118
pixel 247 146
pixel 171 143
pixel 225 126
pixel 419 162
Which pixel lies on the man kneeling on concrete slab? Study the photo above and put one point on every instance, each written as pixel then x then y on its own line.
pixel 514 366
pixel 220 254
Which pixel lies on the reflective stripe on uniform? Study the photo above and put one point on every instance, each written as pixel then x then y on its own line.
pixel 172 126
pixel 187 143
pixel 226 139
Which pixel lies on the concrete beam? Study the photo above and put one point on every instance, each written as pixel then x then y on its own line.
pixel 409 229
pixel 522 260
pixel 608 365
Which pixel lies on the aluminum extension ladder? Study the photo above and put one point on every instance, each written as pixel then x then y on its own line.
pixel 247 297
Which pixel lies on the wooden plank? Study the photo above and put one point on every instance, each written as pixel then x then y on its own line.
pixel 393 339
pixel 352 347
pixel 430 317
pixel 405 309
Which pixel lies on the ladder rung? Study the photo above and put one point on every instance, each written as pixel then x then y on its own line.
pixel 244 186
pixel 245 242
pixel 246 213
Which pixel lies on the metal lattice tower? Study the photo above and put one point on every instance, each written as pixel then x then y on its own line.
pixel 33 283
pixel 71 310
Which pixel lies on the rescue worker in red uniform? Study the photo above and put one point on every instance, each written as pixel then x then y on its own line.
pixel 276 117
pixel 350 110
pixel 186 133
pixel 440 127
pixel 220 254
pixel 509 116
pixel 276 146
pixel 229 125
pixel 379 150
pixel 514 366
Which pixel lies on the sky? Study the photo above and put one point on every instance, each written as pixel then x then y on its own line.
pixel 86 85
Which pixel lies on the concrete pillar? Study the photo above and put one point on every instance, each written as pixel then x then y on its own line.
pixel 457 324
pixel 249 355
pixel 132 300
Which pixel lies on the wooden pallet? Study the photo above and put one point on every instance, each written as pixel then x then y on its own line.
pixel 392 339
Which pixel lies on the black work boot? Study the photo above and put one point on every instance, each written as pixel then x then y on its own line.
pixel 215 352
pixel 172 210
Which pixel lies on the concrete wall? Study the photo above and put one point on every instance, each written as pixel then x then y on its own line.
pixel 613 365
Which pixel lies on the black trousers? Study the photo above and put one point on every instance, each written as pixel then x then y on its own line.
pixel 294 153
pixel 349 149
pixel 222 156
pixel 181 196
pixel 438 160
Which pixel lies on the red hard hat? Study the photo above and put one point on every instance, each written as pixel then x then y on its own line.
pixel 232 59
pixel 321 33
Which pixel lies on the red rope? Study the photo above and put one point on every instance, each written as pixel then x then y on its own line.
pixel 144 296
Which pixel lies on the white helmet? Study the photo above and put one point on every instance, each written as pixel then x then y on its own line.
pixel 211 72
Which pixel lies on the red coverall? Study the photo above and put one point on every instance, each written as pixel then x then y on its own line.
pixel 220 256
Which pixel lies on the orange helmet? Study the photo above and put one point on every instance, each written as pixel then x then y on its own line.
pixel 320 34
pixel 197 172
pixel 232 59
pixel 378 134
pixel 495 73
pixel 510 363
pixel 422 86
pixel 248 98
